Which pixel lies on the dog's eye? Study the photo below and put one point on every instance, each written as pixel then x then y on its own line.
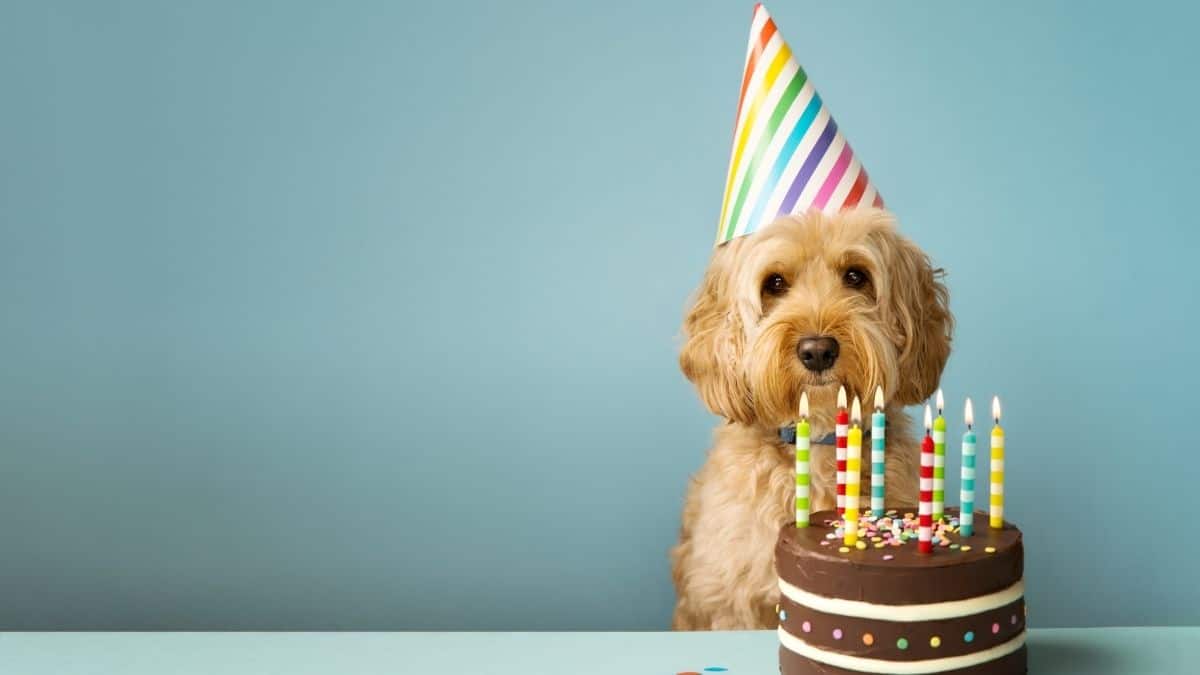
pixel 775 284
pixel 855 277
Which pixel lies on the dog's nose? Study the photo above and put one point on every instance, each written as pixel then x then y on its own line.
pixel 818 353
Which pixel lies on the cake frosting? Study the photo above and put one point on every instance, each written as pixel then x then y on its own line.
pixel 884 607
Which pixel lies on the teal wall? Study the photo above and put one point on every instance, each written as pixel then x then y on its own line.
pixel 364 315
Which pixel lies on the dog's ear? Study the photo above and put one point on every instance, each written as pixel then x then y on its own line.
pixel 714 340
pixel 921 307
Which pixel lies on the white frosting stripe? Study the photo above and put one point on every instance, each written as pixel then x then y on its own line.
pixel 931 612
pixel 867 665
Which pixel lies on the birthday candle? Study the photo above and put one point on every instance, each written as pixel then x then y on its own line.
pixel 925 510
pixel 878 424
pixel 996 494
pixel 939 460
pixel 853 473
pixel 966 518
pixel 840 431
pixel 803 440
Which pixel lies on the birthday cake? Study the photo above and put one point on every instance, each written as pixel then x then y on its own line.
pixel 884 607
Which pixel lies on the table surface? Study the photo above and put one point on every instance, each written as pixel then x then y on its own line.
pixel 1060 651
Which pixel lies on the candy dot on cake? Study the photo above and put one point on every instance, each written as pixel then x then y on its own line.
pixel 868 639
pixel 1014 619
pixel 902 643
pixel 995 628
pixel 837 633
pixel 969 636
pixel 806 627
pixel 935 641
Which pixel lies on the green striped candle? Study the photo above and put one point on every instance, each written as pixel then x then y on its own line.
pixel 803 441
pixel 939 460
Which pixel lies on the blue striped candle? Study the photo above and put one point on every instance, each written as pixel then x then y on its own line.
pixel 878 424
pixel 966 519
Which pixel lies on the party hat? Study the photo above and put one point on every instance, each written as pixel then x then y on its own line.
pixel 788 154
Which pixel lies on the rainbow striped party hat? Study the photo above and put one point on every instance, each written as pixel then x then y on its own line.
pixel 788 154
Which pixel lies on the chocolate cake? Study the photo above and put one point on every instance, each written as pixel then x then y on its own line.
pixel 884 607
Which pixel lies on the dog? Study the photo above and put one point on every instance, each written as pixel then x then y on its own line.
pixel 808 303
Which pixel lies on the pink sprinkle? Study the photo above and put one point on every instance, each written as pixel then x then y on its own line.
pixel 837 633
pixel 806 626
pixel 889 556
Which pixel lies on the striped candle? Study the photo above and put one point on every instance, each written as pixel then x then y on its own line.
pixel 939 460
pixel 841 428
pixel 853 473
pixel 878 430
pixel 966 519
pixel 788 154
pixel 925 510
pixel 996 494
pixel 803 441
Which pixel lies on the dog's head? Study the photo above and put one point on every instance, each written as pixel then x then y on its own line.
pixel 812 302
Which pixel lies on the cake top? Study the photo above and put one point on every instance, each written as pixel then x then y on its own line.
pixel 886 566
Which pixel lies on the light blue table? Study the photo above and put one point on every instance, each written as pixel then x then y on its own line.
pixel 1094 651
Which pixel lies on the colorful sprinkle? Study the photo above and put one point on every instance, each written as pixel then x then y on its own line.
pixel 965 547
pixel 844 549
pixel 990 549
pixel 902 643
pixel 783 615
pixel 837 633
pixel 888 556
pixel 868 639
pixel 860 545
pixel 1014 619
pixel 995 628
pixel 935 641
pixel 806 627
pixel 969 636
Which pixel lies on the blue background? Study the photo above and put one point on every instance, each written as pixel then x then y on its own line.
pixel 366 316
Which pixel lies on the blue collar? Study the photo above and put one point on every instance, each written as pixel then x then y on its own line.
pixel 787 434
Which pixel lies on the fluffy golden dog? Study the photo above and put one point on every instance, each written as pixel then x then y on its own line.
pixel 806 304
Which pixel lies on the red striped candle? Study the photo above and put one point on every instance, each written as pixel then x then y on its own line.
pixel 841 430
pixel 925 512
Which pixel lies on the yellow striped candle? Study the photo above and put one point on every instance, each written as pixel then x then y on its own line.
pixel 853 472
pixel 803 440
pixel 996 495
pixel 939 460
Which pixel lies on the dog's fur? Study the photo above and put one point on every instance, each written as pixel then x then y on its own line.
pixel 740 352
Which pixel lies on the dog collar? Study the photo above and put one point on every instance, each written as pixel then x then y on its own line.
pixel 787 434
